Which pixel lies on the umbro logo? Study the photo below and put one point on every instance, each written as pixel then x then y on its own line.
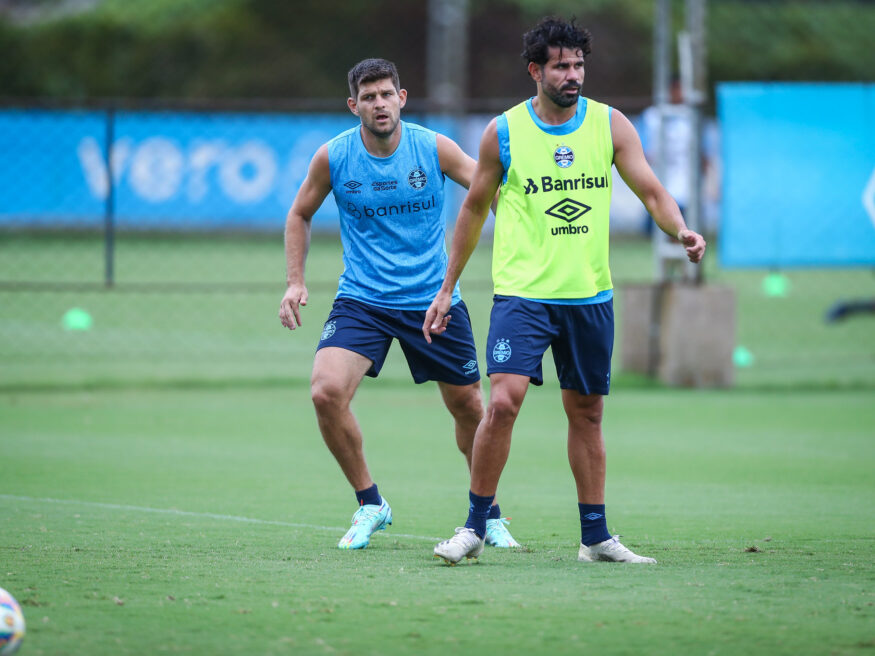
pixel 593 516
pixel 352 184
pixel 568 210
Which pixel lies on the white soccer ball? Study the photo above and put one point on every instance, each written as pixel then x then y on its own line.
pixel 11 624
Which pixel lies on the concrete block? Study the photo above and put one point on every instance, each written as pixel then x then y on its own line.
pixel 681 333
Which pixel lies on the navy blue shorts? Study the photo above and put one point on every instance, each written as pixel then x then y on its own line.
pixel 369 330
pixel 580 336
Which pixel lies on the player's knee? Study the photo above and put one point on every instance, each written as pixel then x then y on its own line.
pixel 468 410
pixel 502 409
pixel 587 410
pixel 592 416
pixel 464 403
pixel 326 396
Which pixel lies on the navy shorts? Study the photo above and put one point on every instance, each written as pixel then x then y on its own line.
pixel 580 336
pixel 369 330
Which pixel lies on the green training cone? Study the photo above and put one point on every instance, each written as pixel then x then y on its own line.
pixel 776 284
pixel 77 319
pixel 742 358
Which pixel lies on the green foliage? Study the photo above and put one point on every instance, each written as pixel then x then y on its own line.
pixel 302 50
pixel 636 11
pixel 229 49
pixel 160 15
pixel 791 40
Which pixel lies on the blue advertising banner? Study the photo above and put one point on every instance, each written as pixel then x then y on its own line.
pixel 41 179
pixel 191 170
pixel 169 169
pixel 798 174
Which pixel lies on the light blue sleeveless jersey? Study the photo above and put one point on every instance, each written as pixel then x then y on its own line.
pixel 394 250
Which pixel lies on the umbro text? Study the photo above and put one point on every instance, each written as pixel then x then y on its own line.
pixel 570 230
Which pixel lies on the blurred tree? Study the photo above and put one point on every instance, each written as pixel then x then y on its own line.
pixel 301 51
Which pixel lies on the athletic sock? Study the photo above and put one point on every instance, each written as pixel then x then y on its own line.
pixel 369 496
pixel 494 512
pixel 478 511
pixel 593 525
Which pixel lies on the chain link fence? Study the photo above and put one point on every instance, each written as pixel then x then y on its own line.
pixel 145 245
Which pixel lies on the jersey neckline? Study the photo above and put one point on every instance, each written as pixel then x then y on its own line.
pixel 567 127
pixel 387 158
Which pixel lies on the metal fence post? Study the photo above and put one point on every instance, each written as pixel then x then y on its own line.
pixel 109 207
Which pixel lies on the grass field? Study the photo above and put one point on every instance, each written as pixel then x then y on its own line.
pixel 205 522
pixel 165 489
pixel 204 308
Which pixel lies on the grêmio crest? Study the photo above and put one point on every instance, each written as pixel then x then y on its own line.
pixel 563 156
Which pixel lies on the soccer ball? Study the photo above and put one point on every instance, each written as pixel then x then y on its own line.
pixel 11 624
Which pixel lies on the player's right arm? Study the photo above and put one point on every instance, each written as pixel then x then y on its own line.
pixel 469 224
pixel 313 191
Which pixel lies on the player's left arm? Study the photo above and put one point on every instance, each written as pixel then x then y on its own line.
pixel 457 164
pixel 636 172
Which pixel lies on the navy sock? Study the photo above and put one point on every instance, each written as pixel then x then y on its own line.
pixel 494 512
pixel 478 511
pixel 369 496
pixel 593 525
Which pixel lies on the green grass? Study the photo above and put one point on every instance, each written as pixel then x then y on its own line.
pixel 165 489
pixel 204 521
pixel 203 308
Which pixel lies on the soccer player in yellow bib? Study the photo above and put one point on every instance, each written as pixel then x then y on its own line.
pixel 551 157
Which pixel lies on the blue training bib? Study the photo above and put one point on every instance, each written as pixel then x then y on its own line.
pixel 393 235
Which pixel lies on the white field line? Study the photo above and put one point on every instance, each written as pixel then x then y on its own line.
pixel 187 513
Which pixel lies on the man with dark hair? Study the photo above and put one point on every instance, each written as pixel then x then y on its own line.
pixel 554 33
pixel 371 70
pixel 387 177
pixel 551 156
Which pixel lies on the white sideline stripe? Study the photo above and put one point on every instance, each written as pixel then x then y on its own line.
pixel 188 513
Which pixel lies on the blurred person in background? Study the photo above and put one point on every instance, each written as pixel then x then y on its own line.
pixel 387 176
pixel 673 160
pixel 551 157
pixel 672 153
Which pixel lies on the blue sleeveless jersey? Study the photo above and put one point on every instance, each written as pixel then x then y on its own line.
pixel 394 250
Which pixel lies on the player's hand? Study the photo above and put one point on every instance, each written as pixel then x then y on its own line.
pixel 436 317
pixel 694 243
pixel 290 313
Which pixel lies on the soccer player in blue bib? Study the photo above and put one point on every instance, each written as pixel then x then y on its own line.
pixel 387 177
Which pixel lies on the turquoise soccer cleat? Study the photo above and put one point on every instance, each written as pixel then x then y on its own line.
pixel 365 521
pixel 497 534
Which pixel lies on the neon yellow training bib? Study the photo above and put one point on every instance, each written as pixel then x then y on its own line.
pixel 551 225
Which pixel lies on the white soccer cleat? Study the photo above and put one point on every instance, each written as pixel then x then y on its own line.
pixel 611 550
pixel 464 544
